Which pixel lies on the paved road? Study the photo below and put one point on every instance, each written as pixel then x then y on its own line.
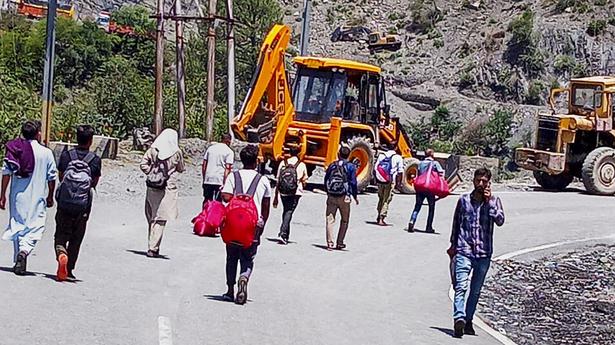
pixel 390 287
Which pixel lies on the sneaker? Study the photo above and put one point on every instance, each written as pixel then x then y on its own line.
pixel 381 221
pixel 152 254
pixel 282 240
pixel 71 275
pixel 229 296
pixel 242 290
pixel 340 247
pixel 410 227
pixel 21 263
pixel 460 324
pixel 469 329
pixel 62 272
pixel 430 231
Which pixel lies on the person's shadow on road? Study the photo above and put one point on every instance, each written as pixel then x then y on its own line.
pixel 39 274
pixel 140 252
pixel 219 298
pixel 447 331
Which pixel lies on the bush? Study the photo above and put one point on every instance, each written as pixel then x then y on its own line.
pixel 535 93
pixel 564 64
pixel 580 6
pixel 425 15
pixel 522 48
pixel 488 138
pixel 466 77
pixel 596 27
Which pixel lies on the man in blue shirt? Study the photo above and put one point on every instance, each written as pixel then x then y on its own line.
pixel 472 247
pixel 340 185
pixel 420 197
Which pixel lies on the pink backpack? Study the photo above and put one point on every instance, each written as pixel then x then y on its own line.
pixel 431 182
pixel 241 214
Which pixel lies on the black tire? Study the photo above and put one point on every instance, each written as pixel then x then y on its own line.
pixel 556 183
pixel 598 171
pixel 411 166
pixel 362 155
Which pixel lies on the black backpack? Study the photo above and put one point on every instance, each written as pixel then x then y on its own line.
pixel 73 194
pixel 158 175
pixel 288 183
pixel 337 184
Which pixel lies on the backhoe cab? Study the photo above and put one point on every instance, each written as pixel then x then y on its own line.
pixel 330 102
pixel 579 143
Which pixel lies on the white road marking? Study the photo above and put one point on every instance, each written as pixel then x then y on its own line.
pixel 485 327
pixel 165 332
pixel 548 246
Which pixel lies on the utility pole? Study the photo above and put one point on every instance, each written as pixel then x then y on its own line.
pixel 180 59
pixel 159 67
pixel 211 63
pixel 305 27
pixel 230 45
pixel 48 74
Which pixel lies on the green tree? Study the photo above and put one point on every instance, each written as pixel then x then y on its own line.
pixel 123 99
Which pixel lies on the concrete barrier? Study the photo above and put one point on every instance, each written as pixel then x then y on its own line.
pixel 104 147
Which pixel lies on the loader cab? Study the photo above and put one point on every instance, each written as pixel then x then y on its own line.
pixel 585 98
pixel 353 95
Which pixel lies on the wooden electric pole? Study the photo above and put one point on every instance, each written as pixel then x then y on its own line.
pixel 48 73
pixel 230 45
pixel 211 63
pixel 180 62
pixel 158 123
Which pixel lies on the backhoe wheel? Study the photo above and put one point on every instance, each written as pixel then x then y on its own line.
pixel 362 155
pixel 411 171
pixel 555 183
pixel 599 171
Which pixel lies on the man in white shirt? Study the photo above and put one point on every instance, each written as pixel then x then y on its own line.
pixel 290 200
pixel 217 164
pixel 389 169
pixel 235 253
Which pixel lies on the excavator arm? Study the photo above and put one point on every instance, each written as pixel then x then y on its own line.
pixel 267 109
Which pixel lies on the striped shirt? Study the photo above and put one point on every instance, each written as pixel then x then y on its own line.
pixel 472 233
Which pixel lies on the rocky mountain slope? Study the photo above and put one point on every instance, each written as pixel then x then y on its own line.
pixel 473 56
pixel 458 53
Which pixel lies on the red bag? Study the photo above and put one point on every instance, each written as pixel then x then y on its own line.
pixel 241 214
pixel 208 222
pixel 431 182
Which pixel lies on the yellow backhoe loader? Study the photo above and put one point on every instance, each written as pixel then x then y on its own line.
pixel 332 102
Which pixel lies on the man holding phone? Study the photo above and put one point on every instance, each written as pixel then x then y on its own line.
pixel 472 246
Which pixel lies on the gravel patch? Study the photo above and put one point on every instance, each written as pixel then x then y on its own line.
pixel 566 298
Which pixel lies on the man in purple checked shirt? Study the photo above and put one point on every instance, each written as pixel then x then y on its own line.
pixel 472 246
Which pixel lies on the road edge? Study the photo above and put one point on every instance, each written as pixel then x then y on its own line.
pixel 499 336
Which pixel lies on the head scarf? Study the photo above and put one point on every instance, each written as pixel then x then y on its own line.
pixel 167 144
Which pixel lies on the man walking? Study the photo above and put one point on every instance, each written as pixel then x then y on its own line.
pixel 260 190
pixel 424 168
pixel 31 192
pixel 340 185
pixel 388 170
pixel 80 172
pixel 292 177
pixel 472 246
pixel 217 164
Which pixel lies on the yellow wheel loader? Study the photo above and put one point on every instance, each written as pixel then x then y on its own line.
pixel 579 143
pixel 332 102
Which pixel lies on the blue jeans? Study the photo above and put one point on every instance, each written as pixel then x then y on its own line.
pixel 431 201
pixel 463 266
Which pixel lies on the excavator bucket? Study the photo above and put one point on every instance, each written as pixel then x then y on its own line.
pixel 450 163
